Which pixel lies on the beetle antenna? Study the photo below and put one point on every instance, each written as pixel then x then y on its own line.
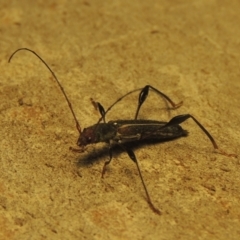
pixel 56 79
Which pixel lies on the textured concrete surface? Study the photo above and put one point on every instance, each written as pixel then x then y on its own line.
pixel 190 50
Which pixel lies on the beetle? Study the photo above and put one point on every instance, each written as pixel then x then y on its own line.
pixel 123 132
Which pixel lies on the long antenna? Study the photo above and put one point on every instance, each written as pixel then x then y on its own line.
pixel 60 86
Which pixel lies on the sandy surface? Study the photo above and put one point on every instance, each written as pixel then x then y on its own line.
pixel 190 50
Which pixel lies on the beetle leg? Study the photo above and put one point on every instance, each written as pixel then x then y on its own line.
pixel 107 162
pixel 78 150
pixel 141 99
pixel 182 118
pixel 134 159
pixel 143 96
pixel 98 106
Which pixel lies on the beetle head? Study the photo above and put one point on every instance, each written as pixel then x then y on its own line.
pixel 87 136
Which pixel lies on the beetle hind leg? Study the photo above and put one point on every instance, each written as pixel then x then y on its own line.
pixel 182 118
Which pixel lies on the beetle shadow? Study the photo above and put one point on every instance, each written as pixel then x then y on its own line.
pixel 95 155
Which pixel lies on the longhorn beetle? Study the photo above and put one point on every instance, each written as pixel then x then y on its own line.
pixel 121 132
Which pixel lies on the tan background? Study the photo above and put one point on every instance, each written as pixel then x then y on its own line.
pixel 190 50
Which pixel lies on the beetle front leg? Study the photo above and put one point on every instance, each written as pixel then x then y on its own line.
pixel 98 106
